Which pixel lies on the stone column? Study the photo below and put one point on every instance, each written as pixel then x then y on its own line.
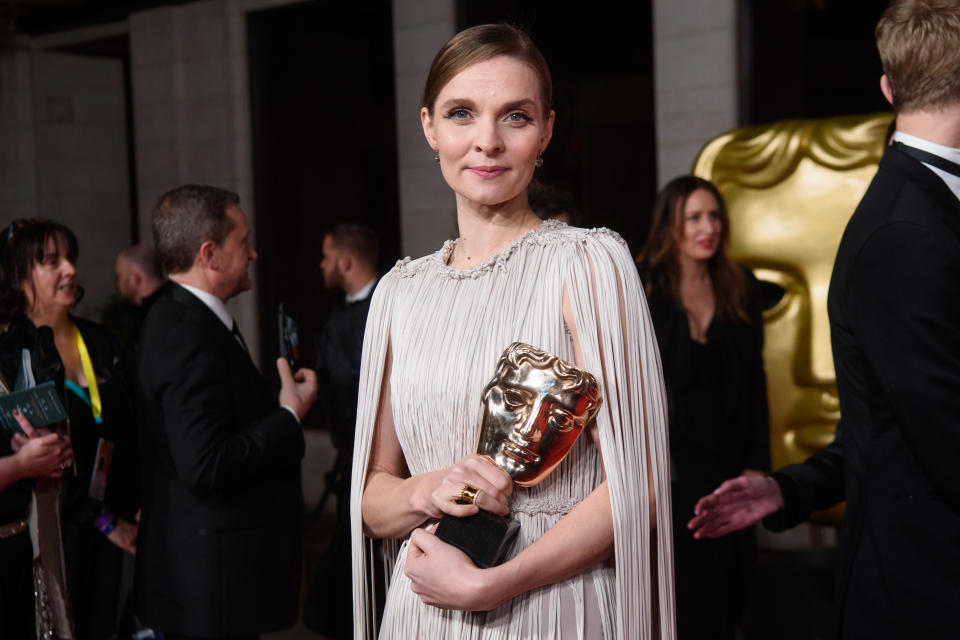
pixel 192 112
pixel 427 206
pixel 695 69
pixel 18 179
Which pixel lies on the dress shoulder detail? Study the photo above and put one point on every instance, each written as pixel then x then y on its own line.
pixel 550 233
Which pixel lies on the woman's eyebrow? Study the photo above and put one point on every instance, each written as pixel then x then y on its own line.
pixel 457 102
pixel 517 104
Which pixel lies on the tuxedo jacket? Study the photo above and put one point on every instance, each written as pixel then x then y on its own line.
pixel 894 306
pixel 219 545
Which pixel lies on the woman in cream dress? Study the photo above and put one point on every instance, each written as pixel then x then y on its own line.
pixel 592 559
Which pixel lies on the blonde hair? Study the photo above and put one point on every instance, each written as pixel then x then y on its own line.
pixel 919 45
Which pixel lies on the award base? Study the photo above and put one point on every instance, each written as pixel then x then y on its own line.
pixel 484 537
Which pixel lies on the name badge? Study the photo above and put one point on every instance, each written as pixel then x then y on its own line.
pixel 101 469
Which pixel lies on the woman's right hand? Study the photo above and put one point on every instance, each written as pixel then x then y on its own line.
pixel 40 455
pixel 439 491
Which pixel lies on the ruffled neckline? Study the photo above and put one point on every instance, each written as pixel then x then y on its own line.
pixel 496 261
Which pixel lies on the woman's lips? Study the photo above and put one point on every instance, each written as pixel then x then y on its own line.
pixel 488 172
pixel 708 244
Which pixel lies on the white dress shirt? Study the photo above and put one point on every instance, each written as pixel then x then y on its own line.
pixel 949 153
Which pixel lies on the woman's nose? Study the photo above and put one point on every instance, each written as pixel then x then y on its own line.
pixel 488 139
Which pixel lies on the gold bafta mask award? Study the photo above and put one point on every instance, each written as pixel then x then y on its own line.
pixel 534 409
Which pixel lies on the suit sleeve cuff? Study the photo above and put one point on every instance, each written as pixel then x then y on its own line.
pixel 292 412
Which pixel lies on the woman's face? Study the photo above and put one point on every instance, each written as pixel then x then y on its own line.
pixel 700 226
pixel 53 280
pixel 488 126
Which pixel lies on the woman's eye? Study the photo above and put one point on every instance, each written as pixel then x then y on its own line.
pixel 458 114
pixel 518 116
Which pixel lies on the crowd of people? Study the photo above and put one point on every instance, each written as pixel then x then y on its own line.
pixel 175 480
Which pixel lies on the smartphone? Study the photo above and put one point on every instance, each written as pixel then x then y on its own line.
pixel 289 337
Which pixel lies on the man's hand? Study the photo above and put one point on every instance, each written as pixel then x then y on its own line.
pixel 124 535
pixel 297 390
pixel 736 504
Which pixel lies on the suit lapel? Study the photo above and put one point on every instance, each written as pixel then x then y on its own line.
pixel 200 313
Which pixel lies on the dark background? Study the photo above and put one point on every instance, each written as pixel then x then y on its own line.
pixel 324 148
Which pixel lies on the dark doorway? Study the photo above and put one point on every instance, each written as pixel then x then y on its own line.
pixel 809 59
pixel 603 148
pixel 324 143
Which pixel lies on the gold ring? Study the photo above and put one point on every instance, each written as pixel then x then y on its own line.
pixel 468 493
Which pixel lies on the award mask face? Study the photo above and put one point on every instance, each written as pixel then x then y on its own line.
pixel 790 239
pixel 534 410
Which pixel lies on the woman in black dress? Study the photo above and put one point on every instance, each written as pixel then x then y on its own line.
pixel 38 287
pixel 710 332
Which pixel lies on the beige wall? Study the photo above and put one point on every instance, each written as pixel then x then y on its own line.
pixel 695 76
pixel 63 155
pixel 192 112
pixel 81 162
pixel 18 183
pixel 427 207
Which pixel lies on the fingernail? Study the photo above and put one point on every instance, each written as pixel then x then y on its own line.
pixel 16 413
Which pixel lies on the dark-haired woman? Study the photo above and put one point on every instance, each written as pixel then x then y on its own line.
pixel 39 287
pixel 710 333
pixel 584 564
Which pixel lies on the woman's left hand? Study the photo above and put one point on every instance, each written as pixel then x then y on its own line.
pixel 445 577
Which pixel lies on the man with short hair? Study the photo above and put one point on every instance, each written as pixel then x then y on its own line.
pixel 138 273
pixel 219 548
pixel 349 264
pixel 895 327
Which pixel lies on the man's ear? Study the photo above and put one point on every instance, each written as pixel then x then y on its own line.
pixel 345 262
pixel 886 88
pixel 207 255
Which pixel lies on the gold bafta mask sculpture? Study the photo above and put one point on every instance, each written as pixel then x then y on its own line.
pixel 534 409
pixel 790 189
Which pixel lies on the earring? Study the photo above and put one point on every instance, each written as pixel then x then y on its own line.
pixel 436 157
pixel 539 161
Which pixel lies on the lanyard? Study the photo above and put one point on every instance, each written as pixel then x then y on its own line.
pixel 94 400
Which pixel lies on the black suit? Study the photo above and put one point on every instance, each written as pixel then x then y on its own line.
pixel 894 307
pixel 219 548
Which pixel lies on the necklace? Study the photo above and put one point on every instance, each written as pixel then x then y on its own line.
pixel 462 248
